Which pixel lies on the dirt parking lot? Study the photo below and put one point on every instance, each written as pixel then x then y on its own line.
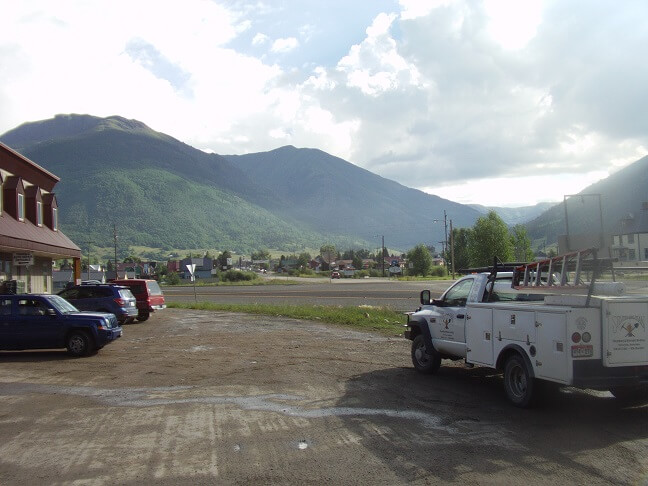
pixel 193 397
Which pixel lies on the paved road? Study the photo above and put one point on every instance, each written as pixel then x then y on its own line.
pixel 400 296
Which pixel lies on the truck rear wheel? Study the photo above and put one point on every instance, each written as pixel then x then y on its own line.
pixel 424 360
pixel 142 316
pixel 518 382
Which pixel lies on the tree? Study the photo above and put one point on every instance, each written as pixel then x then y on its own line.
pixel 261 255
pixel 222 258
pixel 460 240
pixel 420 259
pixel 329 254
pixel 357 261
pixel 489 238
pixel 304 259
pixel 521 244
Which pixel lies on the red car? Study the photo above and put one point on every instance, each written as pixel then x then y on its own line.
pixel 148 294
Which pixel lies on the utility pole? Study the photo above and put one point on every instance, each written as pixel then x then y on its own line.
pixel 383 255
pixel 115 239
pixel 452 251
pixel 89 243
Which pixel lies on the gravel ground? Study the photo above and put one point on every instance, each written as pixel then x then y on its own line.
pixel 193 397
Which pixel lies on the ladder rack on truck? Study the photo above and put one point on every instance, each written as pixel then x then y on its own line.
pixel 553 274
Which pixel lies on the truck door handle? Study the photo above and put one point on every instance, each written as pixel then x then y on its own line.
pixel 460 316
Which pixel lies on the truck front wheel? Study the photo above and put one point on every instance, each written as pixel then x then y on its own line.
pixel 424 360
pixel 518 382
pixel 79 344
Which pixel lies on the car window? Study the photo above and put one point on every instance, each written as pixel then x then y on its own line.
pixel 105 292
pixel 126 294
pixel 70 294
pixel 154 288
pixel 457 296
pixel 84 293
pixel 5 307
pixel 31 307
pixel 60 304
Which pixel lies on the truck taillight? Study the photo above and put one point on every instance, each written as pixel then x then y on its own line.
pixel 576 337
pixel 587 337
pixel 120 302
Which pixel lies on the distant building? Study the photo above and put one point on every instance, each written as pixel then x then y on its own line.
pixel 630 238
pixel 30 237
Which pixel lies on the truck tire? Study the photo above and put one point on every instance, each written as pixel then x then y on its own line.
pixel 631 394
pixel 425 360
pixel 518 382
pixel 78 343
pixel 142 316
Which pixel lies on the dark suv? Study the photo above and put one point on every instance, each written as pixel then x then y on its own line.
pixel 116 299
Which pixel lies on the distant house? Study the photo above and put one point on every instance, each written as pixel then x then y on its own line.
pixel 30 237
pixel 204 267
pixel 630 238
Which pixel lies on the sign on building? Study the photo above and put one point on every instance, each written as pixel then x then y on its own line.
pixel 23 259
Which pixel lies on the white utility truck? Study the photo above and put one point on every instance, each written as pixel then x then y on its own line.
pixel 532 324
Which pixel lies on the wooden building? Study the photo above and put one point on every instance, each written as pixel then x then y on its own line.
pixel 30 238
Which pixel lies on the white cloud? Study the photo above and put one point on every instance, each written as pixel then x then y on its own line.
pixel 260 39
pixel 285 45
pixel 433 94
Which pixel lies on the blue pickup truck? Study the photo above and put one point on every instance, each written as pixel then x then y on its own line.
pixel 46 321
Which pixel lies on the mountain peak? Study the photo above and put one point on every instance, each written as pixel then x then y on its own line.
pixel 64 126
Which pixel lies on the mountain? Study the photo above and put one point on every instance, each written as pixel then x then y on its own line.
pixel 604 204
pixel 515 216
pixel 158 191
pixel 332 195
pixel 163 193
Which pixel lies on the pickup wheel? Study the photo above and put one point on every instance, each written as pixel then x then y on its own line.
pixel 78 343
pixel 142 316
pixel 424 360
pixel 518 382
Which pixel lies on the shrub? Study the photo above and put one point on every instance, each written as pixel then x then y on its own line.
pixel 172 278
pixel 236 276
pixel 439 271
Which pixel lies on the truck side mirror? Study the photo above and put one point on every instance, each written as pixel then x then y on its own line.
pixel 426 297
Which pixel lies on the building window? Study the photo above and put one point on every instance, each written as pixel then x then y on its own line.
pixel 21 207
pixel 39 213
pixel 645 253
pixel 55 219
pixel 631 238
pixel 631 255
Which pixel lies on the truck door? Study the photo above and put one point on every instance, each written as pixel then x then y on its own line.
pixel 8 325
pixel 453 312
pixel 37 329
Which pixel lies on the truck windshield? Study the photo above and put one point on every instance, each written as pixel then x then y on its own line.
pixel 60 304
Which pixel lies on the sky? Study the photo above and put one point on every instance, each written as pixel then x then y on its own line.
pixel 493 102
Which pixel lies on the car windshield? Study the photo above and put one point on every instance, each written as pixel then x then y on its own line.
pixel 60 304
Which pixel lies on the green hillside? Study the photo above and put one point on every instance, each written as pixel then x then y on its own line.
pixel 329 193
pixel 159 192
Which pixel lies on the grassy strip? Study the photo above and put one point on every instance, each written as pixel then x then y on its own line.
pixel 378 319
pixel 240 283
